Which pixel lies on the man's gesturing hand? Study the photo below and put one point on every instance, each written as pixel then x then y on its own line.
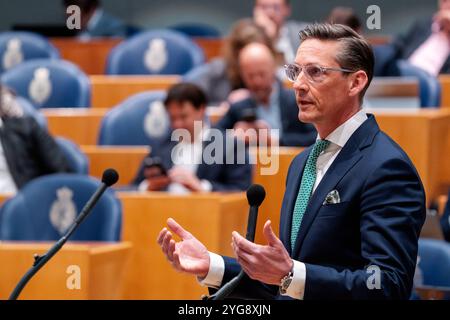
pixel 269 263
pixel 188 255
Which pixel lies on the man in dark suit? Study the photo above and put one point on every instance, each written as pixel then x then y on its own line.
pixel 445 220
pixel 200 162
pixel 354 204
pixel 427 43
pixel 268 104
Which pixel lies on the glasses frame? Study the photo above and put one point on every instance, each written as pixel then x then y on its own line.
pixel 321 68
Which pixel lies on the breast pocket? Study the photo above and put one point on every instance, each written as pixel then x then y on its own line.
pixel 333 210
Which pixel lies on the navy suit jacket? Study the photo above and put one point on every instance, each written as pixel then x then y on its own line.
pixel 377 222
pixel 294 132
pixel 445 220
pixel 223 177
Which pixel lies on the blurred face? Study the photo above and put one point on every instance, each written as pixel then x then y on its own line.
pixel 276 10
pixel 329 101
pixel 183 115
pixel 444 5
pixel 258 76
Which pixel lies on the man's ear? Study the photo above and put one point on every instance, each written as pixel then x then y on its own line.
pixel 358 82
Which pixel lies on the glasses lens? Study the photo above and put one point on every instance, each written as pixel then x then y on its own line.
pixel 292 72
pixel 314 73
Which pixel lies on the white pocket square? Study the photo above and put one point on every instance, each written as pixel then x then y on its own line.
pixel 332 198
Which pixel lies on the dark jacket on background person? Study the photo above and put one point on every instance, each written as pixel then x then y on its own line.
pixel 29 150
pixel 293 133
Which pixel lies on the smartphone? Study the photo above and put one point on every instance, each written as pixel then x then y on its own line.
pixel 248 115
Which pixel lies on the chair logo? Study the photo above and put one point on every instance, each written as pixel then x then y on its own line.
pixel 156 122
pixel 63 211
pixel 155 58
pixel 40 87
pixel 13 54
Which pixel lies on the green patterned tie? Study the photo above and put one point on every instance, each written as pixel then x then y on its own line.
pixel 306 187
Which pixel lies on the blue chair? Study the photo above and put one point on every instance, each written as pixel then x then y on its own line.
pixel 17 47
pixel 435 263
pixel 30 110
pixel 155 52
pixel 384 58
pixel 430 88
pixel 46 207
pixel 78 161
pixel 139 120
pixel 50 83
pixel 197 30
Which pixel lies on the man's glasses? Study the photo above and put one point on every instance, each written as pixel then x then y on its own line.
pixel 313 73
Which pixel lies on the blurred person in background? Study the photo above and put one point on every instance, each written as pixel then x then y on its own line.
pixel 27 151
pixel 345 16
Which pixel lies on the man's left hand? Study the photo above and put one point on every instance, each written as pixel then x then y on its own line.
pixel 266 263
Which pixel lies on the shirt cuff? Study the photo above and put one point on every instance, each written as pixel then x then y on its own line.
pixel 296 289
pixel 215 273
pixel 143 186
pixel 206 185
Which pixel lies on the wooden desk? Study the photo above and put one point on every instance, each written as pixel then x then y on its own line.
pixel 125 159
pixel 425 136
pixel 108 91
pixel 211 218
pixel 102 268
pixel 445 86
pixel 442 202
pixel 91 56
pixel 81 125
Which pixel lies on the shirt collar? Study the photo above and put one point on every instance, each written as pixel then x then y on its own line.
pixel 342 134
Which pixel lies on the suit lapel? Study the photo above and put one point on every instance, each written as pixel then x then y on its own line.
pixel 291 196
pixel 344 162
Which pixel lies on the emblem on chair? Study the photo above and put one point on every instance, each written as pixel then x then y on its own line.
pixel 155 58
pixel 156 122
pixel 63 211
pixel 40 87
pixel 13 54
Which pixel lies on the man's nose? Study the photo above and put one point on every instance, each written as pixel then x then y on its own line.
pixel 301 83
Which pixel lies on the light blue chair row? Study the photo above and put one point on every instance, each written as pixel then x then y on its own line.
pixel 44 208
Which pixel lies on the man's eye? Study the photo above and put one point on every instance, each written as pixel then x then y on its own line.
pixel 314 71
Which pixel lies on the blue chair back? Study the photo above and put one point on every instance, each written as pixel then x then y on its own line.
pixel 44 209
pixel 430 88
pixel 197 30
pixel 50 83
pixel 17 47
pixel 78 161
pixel 155 52
pixel 139 120
pixel 435 262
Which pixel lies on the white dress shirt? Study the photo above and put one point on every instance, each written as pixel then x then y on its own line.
pixel 186 155
pixel 338 138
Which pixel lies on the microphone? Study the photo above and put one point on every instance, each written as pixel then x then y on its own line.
pixel 109 177
pixel 255 196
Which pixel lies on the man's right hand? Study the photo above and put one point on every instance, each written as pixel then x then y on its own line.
pixel 188 255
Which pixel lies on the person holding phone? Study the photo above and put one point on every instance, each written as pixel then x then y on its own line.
pixel 179 166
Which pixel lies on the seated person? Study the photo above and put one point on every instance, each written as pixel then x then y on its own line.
pixel 427 43
pixel 345 16
pixel 273 106
pixel 27 151
pixel 272 15
pixel 187 163
pixel 220 78
pixel 96 22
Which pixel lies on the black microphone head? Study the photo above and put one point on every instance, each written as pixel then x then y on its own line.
pixel 255 195
pixel 109 177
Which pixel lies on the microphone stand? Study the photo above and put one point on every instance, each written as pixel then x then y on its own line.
pixel 40 261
